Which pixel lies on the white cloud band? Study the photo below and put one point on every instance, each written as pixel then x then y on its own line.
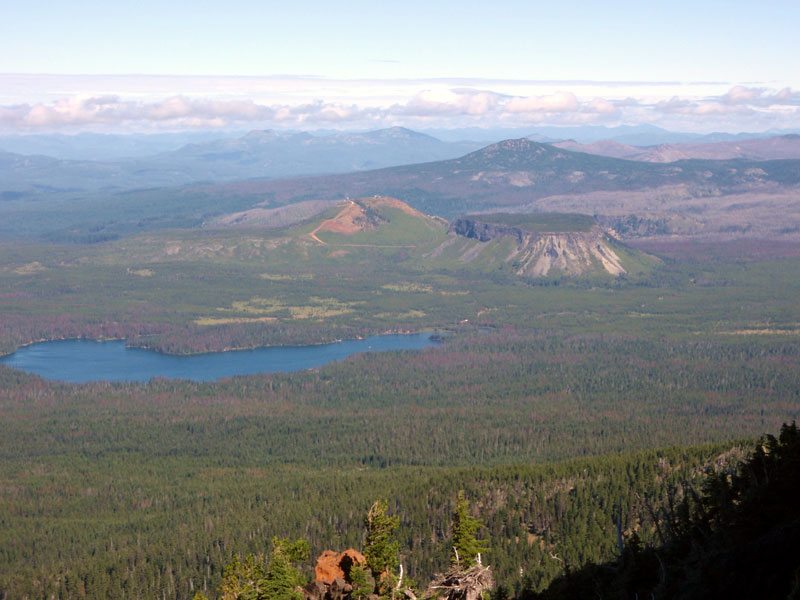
pixel 439 106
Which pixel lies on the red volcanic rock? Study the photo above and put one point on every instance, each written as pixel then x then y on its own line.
pixel 336 565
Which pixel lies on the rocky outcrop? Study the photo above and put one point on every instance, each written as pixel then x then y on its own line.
pixel 338 589
pixel 336 565
pixel 332 574
pixel 539 253
pixel 483 232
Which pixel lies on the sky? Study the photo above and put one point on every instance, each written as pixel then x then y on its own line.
pixel 701 65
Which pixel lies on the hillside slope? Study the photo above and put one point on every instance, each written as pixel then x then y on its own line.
pixel 772 148
pixel 529 245
pixel 735 539
pixel 378 221
pixel 525 176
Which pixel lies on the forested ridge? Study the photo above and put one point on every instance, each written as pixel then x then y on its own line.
pixel 737 537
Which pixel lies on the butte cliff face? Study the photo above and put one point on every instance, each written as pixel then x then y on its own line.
pixel 535 252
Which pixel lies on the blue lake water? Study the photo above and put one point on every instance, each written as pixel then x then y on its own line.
pixel 78 361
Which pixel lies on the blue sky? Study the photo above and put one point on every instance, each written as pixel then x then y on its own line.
pixel 701 65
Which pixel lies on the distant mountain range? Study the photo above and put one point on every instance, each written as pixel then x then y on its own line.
pixel 634 135
pixel 773 148
pixel 689 197
pixel 277 154
pixel 517 173
pixel 105 146
pixel 70 165
pixel 258 154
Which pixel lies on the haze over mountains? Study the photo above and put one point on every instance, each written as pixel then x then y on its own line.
pixel 104 146
pixel 107 146
pixel 772 148
pixel 59 164
pixel 277 154
pixel 265 154
pixel 634 135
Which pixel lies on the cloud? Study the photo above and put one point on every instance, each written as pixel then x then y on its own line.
pixel 626 102
pixel 285 104
pixel 453 102
pixel 680 106
pixel 554 103
pixel 486 105
pixel 739 94
pixel 436 104
pixel 600 106
pixel 738 101
pixel 111 110
pixel 12 115
pixel 752 96
pixel 324 112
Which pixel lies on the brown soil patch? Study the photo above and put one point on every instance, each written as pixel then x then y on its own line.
pixel 349 220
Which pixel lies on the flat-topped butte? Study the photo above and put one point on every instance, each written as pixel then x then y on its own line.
pixel 541 245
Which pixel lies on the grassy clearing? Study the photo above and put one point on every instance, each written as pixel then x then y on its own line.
pixel 210 321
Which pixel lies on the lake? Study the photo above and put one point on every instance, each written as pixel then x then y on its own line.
pixel 78 361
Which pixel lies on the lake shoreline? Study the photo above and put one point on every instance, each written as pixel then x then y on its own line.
pixel 80 360
pixel 435 330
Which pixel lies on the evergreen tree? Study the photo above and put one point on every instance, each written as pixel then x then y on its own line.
pixel 381 548
pixel 362 582
pixel 247 580
pixel 465 547
pixel 281 577
pixel 242 579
